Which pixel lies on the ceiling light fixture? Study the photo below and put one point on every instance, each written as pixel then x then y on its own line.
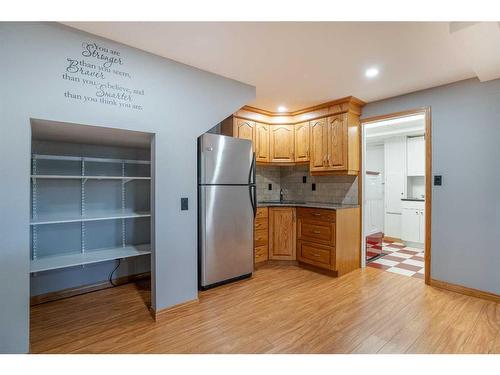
pixel 282 108
pixel 371 72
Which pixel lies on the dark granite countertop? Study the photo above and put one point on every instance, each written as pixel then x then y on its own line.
pixel 325 205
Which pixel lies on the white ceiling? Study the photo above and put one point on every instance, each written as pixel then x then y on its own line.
pixel 383 130
pixel 300 64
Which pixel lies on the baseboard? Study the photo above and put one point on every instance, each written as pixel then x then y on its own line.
pixel 393 239
pixel 323 271
pixel 163 312
pixel 274 262
pixel 465 290
pixel 70 292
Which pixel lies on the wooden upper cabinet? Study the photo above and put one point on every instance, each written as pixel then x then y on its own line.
pixel 261 142
pixel 330 144
pixel 282 144
pixel 244 129
pixel 337 143
pixel 302 142
pixel 318 145
pixel 282 234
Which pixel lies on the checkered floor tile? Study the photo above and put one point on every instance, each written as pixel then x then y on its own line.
pixel 400 259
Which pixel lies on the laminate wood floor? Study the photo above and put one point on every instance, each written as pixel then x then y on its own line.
pixel 282 309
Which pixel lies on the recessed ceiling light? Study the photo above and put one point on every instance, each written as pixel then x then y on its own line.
pixel 371 72
pixel 282 108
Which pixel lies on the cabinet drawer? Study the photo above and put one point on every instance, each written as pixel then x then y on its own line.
pixel 261 254
pixel 261 237
pixel 313 230
pixel 261 212
pixel 315 254
pixel 316 214
pixel 261 223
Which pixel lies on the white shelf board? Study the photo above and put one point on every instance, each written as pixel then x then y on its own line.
pixel 90 159
pixel 63 177
pixel 58 219
pixel 89 257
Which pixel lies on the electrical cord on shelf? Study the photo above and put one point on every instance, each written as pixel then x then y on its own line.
pixel 112 272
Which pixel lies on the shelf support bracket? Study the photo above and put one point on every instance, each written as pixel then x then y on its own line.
pixel 82 208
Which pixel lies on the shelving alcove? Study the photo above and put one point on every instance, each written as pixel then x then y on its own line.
pixel 90 202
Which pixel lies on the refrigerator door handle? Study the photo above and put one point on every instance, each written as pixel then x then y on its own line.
pixel 252 189
pixel 252 172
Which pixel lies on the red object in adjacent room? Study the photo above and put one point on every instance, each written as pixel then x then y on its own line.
pixel 374 245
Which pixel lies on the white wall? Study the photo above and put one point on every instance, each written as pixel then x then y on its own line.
pixel 179 103
pixel 466 208
pixel 375 158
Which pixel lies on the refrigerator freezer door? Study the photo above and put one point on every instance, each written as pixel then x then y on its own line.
pixel 226 233
pixel 225 160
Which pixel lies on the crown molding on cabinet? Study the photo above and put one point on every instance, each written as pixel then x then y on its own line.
pixel 348 104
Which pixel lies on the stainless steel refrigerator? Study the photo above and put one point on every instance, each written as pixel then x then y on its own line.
pixel 226 209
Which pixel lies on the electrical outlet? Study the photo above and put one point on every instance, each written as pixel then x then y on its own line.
pixel 270 187
pixel 438 180
pixel 313 186
pixel 304 179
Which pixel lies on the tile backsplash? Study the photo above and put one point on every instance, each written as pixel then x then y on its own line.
pixel 265 176
pixel 332 189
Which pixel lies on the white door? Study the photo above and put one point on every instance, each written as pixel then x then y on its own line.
pixel 395 176
pixel 374 204
pixel 395 163
pixel 410 229
pixel 422 226
pixel 416 156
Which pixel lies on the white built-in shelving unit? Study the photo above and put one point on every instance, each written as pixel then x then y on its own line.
pixel 49 219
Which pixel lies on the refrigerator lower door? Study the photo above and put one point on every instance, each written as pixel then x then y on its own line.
pixel 226 233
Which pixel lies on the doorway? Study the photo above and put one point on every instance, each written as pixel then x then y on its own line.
pixel 396 171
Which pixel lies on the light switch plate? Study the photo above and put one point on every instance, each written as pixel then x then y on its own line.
pixel 184 204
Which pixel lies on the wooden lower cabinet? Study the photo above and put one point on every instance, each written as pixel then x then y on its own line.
pixel 261 235
pixel 329 239
pixel 322 238
pixel 282 240
pixel 315 254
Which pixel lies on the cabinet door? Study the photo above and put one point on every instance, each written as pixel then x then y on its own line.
pixel 318 144
pixel 302 142
pixel 337 143
pixel 415 147
pixel 282 233
pixel 282 144
pixel 245 129
pixel 262 142
pixel 410 226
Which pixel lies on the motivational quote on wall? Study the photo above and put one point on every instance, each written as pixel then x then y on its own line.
pixel 102 70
